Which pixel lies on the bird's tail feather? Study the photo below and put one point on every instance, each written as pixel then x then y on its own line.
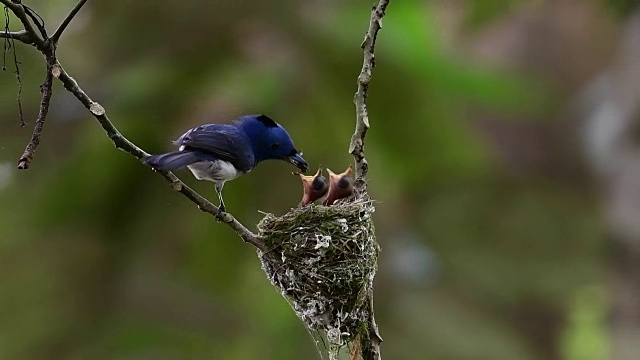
pixel 173 160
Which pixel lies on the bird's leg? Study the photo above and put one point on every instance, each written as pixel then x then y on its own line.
pixel 221 208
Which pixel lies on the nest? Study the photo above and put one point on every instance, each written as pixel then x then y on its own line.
pixel 323 260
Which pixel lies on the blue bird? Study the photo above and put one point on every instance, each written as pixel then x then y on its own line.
pixel 223 152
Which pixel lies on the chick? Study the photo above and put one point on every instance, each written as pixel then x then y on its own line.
pixel 315 187
pixel 340 186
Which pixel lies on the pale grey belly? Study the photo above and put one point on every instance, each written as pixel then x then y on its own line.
pixel 214 171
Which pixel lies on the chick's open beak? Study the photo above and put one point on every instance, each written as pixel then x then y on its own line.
pixel 299 162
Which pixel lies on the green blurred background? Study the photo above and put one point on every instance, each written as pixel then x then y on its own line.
pixel 503 154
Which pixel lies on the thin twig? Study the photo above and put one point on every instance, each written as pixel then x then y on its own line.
pixel 56 35
pixel 9 43
pixel 16 63
pixel 370 345
pixel 356 147
pixel 46 89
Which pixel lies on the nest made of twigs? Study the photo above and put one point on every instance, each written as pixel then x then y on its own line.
pixel 323 260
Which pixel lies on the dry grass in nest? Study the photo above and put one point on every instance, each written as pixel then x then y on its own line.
pixel 323 260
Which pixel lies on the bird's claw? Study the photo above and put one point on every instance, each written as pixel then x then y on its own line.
pixel 220 213
pixel 224 217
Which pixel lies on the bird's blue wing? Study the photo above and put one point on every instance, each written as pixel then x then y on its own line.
pixel 225 142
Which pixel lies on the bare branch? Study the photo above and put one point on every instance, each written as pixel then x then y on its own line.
pixel 22 36
pixel 46 89
pixel 56 36
pixel 370 345
pixel 356 148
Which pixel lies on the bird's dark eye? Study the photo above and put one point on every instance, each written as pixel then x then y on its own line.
pixel 275 146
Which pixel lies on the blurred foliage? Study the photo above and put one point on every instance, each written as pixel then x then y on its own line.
pixel 623 7
pixel 483 12
pixel 101 260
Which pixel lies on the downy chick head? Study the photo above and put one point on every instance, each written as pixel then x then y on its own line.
pixel 340 186
pixel 314 187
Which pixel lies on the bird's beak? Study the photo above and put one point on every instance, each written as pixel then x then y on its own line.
pixel 299 162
